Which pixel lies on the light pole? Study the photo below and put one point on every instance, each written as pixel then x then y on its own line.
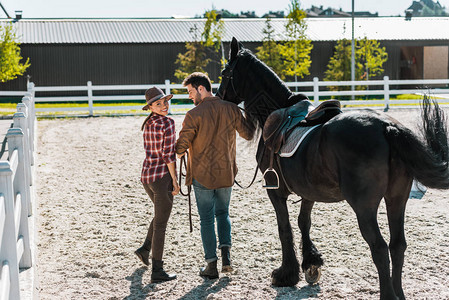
pixel 4 10
pixel 352 52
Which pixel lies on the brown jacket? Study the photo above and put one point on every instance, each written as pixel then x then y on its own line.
pixel 208 131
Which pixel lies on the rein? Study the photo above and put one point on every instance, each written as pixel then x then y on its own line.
pixel 189 188
pixel 254 177
pixel 228 79
pixel 257 165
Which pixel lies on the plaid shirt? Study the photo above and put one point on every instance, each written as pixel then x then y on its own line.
pixel 159 139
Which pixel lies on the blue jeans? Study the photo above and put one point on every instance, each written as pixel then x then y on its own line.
pixel 213 204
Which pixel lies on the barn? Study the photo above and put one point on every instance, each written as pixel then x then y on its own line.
pixel 140 51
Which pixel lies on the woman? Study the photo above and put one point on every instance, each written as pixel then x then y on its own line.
pixel 158 178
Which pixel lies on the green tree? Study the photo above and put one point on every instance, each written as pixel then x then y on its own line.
pixel 193 60
pixel 213 30
pixel 295 52
pixel 372 57
pixel 213 35
pixel 369 60
pixel 269 52
pixel 10 65
pixel 204 49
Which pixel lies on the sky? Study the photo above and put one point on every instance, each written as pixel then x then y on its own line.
pixel 185 8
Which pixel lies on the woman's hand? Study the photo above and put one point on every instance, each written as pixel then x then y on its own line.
pixel 176 188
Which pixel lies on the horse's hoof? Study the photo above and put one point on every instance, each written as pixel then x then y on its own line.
pixel 313 274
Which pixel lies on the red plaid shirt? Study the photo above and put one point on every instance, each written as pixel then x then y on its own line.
pixel 159 139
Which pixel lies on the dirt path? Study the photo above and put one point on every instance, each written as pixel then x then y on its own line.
pixel 93 213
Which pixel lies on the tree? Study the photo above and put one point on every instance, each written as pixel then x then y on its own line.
pixel 213 30
pixel 193 60
pixel 369 59
pixel 269 52
pixel 372 56
pixel 339 66
pixel 204 49
pixel 213 35
pixel 10 65
pixel 295 52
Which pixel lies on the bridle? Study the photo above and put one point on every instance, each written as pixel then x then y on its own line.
pixel 229 79
pixel 226 80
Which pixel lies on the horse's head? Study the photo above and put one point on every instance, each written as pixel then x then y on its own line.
pixel 247 79
pixel 232 75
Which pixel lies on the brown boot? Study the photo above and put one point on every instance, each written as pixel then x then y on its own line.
pixel 210 271
pixel 226 260
pixel 143 253
pixel 158 274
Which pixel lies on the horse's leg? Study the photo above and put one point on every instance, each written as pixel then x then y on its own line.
pixel 288 273
pixel 396 200
pixel 366 211
pixel 311 257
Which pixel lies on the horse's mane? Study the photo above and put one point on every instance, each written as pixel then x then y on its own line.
pixel 268 80
pixel 265 72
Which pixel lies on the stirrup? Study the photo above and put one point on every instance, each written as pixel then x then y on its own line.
pixel 270 187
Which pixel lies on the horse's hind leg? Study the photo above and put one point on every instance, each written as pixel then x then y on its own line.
pixel 311 257
pixel 366 211
pixel 396 200
pixel 288 273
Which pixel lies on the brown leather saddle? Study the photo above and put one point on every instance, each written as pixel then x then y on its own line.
pixel 280 123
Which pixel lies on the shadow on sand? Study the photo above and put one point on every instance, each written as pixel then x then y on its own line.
pixel 305 292
pixel 206 288
pixel 136 289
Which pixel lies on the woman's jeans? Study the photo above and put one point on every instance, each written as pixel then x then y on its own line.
pixel 213 204
pixel 160 193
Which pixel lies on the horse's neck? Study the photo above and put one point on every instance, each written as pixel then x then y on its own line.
pixel 265 97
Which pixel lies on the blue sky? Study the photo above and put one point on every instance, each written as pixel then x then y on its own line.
pixel 188 8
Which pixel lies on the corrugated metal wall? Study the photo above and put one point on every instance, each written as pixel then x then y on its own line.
pixel 108 64
pixel 123 64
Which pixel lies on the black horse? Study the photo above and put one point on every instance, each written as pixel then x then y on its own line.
pixel 358 156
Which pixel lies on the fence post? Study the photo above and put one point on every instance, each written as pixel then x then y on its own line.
pixel 20 121
pixel 28 103
pixel 89 97
pixel 316 90
pixel 167 92
pixel 386 93
pixel 26 126
pixel 32 115
pixel 8 250
pixel 16 140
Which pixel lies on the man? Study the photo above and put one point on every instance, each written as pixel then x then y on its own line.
pixel 208 131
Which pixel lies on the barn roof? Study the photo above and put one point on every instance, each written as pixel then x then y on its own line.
pixel 105 31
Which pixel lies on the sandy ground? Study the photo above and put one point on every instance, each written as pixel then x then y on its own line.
pixel 93 213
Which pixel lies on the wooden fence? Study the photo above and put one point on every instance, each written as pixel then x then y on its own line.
pixel 16 198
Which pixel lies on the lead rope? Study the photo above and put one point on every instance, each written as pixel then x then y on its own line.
pixel 189 188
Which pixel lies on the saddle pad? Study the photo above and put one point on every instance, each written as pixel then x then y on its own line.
pixel 294 140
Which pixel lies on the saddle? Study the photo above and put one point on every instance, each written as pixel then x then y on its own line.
pixel 280 124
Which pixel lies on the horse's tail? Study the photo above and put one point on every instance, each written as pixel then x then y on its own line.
pixel 426 160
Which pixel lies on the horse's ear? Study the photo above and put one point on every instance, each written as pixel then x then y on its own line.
pixel 235 47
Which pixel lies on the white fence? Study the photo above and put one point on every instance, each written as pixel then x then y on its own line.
pixel 315 90
pixel 15 198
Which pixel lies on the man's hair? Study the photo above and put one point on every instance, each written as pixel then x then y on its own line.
pixel 196 79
